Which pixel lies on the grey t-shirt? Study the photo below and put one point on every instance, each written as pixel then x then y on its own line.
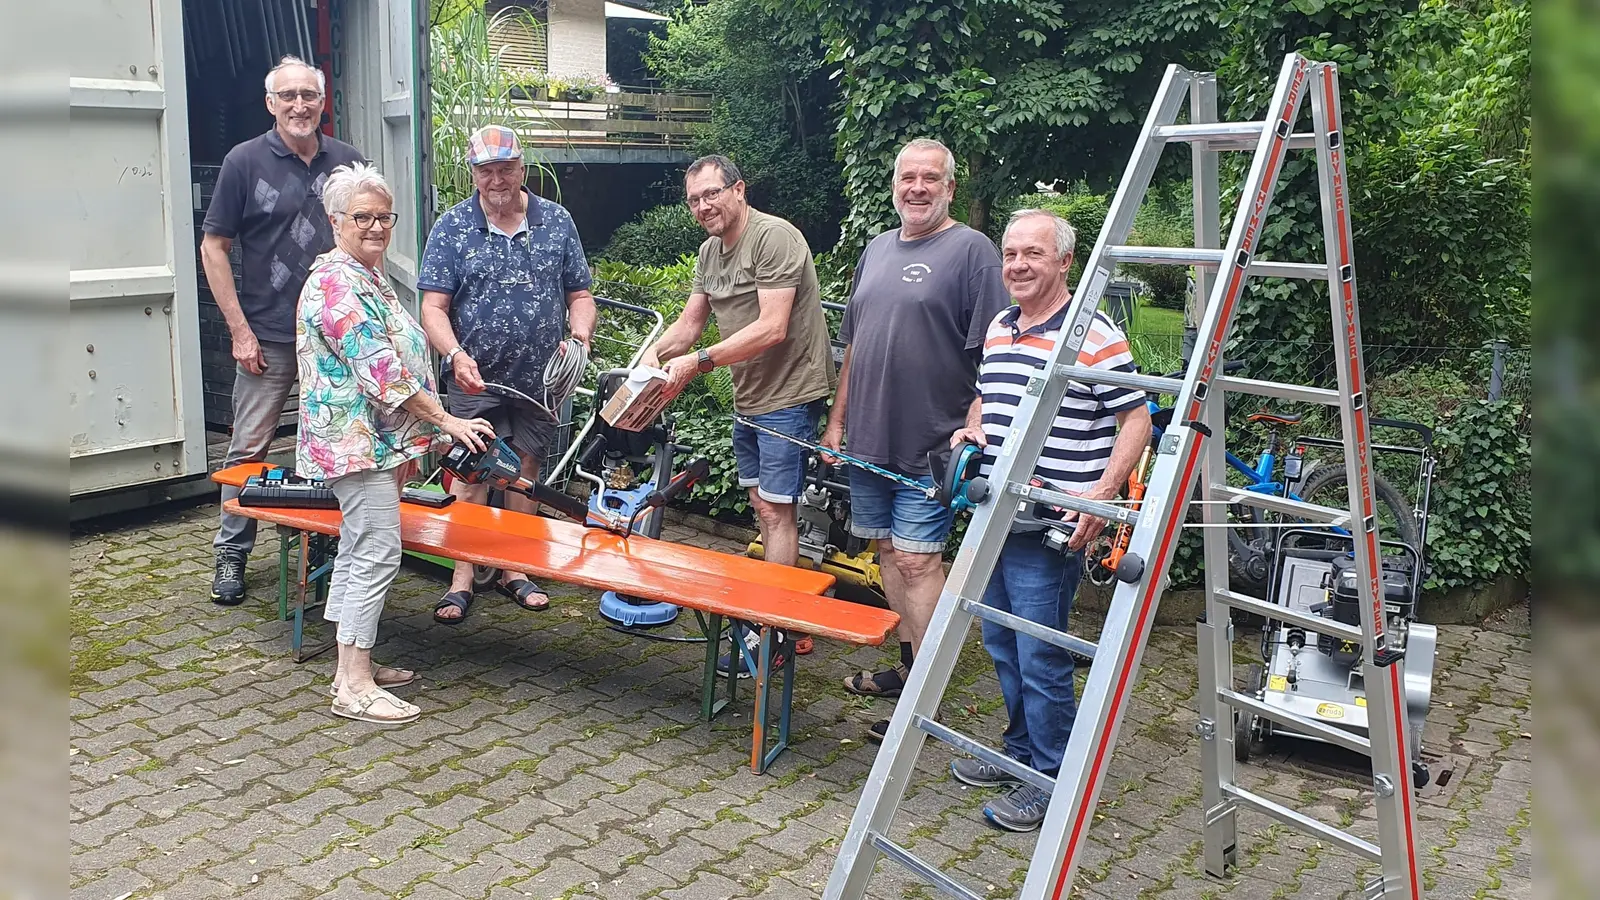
pixel 915 325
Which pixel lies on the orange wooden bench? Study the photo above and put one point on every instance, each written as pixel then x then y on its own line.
pixel 716 586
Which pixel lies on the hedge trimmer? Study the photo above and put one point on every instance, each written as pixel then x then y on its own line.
pixel 957 484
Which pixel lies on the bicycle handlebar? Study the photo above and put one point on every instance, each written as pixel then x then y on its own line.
pixel 1228 368
pixel 1419 428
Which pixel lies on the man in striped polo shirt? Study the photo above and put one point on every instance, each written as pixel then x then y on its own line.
pixel 1095 442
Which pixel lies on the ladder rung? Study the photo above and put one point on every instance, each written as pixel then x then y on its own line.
pixel 1108 511
pixel 1327 515
pixel 1166 256
pixel 1293 616
pixel 969 746
pixel 1230 135
pixel 931 875
pixel 1303 822
pixel 1157 384
pixel 1280 391
pixel 1154 384
pixel 1335 736
pixel 1018 624
pixel 1303 271
pixel 1211 259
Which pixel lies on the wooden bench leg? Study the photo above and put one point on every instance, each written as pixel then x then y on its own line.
pixel 760 756
pixel 287 538
pixel 711 627
pixel 315 571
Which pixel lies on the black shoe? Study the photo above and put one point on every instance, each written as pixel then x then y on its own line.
pixel 978 773
pixel 780 654
pixel 227 587
pixel 1022 809
pixel 878 731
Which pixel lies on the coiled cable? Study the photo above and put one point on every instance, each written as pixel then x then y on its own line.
pixel 562 375
pixel 565 371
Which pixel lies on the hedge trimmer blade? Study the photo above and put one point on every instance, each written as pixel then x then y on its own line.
pixel 929 491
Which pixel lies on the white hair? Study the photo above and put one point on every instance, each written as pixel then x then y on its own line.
pixel 290 62
pixel 1066 237
pixel 916 144
pixel 346 183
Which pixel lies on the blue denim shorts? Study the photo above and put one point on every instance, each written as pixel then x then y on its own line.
pixel 881 509
pixel 772 465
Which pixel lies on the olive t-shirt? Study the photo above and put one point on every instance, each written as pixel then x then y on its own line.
pixel 770 254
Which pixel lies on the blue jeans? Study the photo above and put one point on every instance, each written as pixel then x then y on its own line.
pixel 881 510
pixel 772 465
pixel 1036 583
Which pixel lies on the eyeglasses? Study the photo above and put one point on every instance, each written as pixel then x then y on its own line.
pixel 306 94
pixel 706 197
pixel 365 221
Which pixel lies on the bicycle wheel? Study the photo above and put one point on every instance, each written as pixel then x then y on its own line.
pixel 1329 486
pixel 1249 545
pixel 1249 549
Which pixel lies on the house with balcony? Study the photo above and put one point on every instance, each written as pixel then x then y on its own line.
pixel 589 113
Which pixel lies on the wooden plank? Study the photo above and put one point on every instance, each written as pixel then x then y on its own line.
pixel 576 538
pixel 535 126
pixel 660 101
pixel 606 561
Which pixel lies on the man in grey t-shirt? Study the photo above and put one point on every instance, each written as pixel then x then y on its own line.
pixel 923 296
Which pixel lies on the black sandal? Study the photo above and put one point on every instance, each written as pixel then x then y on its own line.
pixel 884 684
pixel 520 590
pixel 461 600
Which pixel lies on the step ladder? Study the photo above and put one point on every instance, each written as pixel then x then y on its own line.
pixel 1193 446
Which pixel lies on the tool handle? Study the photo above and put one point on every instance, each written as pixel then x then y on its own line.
pixel 680 484
pixel 566 504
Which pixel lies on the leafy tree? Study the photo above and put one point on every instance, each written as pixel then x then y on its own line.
pixel 1439 225
pixel 773 99
pixel 1021 90
pixel 447 12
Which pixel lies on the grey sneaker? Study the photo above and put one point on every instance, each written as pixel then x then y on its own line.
pixel 978 773
pixel 1022 809
pixel 227 586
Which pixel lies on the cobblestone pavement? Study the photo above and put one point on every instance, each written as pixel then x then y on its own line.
pixel 558 758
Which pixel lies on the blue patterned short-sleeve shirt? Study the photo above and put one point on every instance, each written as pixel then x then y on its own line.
pixel 508 292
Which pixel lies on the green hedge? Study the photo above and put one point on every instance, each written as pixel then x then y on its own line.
pixel 656 237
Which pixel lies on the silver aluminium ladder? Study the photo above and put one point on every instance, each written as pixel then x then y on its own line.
pixel 1192 446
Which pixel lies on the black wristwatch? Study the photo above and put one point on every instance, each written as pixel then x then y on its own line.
pixel 706 364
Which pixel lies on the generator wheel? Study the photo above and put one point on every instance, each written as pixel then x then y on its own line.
pixel 484 578
pixel 1244 723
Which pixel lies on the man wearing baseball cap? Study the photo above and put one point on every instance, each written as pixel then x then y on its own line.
pixel 503 280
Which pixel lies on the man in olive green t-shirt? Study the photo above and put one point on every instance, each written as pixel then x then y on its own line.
pixel 755 274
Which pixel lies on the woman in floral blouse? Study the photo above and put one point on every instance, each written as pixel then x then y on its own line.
pixel 368 408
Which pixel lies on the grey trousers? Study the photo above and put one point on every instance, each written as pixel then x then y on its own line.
pixel 369 552
pixel 258 402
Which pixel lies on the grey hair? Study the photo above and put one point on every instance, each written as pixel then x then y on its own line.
pixel 290 62
pixel 346 183
pixel 928 144
pixel 1066 237
pixel 723 165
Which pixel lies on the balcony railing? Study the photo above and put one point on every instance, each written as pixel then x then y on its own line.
pixel 626 117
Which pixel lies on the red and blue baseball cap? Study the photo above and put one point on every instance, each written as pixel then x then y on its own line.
pixel 493 143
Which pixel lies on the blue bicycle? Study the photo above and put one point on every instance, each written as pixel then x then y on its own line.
pixel 1251 535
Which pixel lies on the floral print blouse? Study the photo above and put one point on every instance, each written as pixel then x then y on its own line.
pixel 360 355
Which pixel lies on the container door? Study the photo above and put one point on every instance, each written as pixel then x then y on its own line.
pixel 381 94
pixel 134 349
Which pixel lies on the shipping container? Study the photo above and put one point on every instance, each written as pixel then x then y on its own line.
pixel 160 90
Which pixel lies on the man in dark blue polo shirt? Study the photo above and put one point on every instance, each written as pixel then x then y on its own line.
pixel 269 199
pixel 503 279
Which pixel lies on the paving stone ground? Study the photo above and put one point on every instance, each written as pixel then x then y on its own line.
pixel 558 758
